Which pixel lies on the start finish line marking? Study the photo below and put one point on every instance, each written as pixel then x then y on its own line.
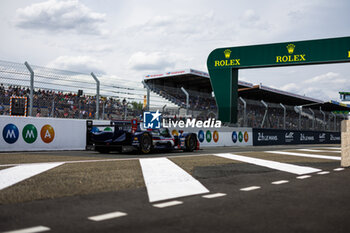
pixel 13 175
pixel 165 180
pixel 305 155
pixel 299 170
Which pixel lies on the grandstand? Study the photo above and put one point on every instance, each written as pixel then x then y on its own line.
pixel 196 83
pixel 258 106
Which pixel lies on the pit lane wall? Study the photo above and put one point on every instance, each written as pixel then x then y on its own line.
pixel 264 137
pixel 224 136
pixel 36 134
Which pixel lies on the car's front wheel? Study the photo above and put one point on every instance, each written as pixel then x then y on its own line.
pixel 145 143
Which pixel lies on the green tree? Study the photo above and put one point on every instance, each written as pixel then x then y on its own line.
pixel 136 106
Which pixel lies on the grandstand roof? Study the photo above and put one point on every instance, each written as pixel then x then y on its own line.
pixel 329 106
pixel 187 78
pixel 272 95
pixel 199 81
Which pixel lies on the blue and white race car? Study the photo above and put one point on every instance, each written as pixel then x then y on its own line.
pixel 128 134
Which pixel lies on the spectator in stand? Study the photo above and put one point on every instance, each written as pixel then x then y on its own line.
pixel 38 112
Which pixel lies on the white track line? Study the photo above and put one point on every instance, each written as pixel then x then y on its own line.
pixel 165 180
pixel 103 217
pixel 13 175
pixel 251 188
pixel 305 155
pixel 168 204
pixel 338 169
pixel 303 177
pixel 334 148
pixel 323 173
pixel 299 170
pixel 36 229
pixel 214 195
pixel 331 148
pixel 280 182
pixel 312 150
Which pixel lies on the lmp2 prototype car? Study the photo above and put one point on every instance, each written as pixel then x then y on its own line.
pixel 131 135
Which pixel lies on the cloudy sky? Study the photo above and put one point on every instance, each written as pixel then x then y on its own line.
pixel 129 39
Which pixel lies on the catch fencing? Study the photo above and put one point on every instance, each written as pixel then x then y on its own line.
pixel 66 94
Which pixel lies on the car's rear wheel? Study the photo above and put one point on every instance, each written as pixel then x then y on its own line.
pixel 145 143
pixel 191 143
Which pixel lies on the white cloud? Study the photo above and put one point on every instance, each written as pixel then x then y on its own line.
pixel 328 78
pixel 325 86
pixel 83 64
pixel 151 61
pixel 55 15
pixel 291 87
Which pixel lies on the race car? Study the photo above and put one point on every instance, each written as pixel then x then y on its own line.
pixel 119 135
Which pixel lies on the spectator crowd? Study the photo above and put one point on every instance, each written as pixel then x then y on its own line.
pixel 49 103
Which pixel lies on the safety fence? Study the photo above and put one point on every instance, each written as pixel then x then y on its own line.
pixel 65 94
pixel 260 114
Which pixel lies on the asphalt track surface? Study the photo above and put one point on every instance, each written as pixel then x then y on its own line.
pixel 319 203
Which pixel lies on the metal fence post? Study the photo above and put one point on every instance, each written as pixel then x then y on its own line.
pixel 97 95
pixel 263 121
pixel 103 110
pixel 284 115
pixel 313 118
pixel 244 111
pixel 324 119
pixel 187 100
pixel 53 108
pixel 335 120
pixel 148 95
pixel 31 88
pixel 300 112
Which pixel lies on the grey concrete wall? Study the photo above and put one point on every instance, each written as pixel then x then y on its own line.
pixel 345 143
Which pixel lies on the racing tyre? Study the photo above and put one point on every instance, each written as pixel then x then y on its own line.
pixel 145 143
pixel 191 142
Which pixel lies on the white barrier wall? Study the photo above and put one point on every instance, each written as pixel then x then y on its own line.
pixel 34 134
pixel 224 136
